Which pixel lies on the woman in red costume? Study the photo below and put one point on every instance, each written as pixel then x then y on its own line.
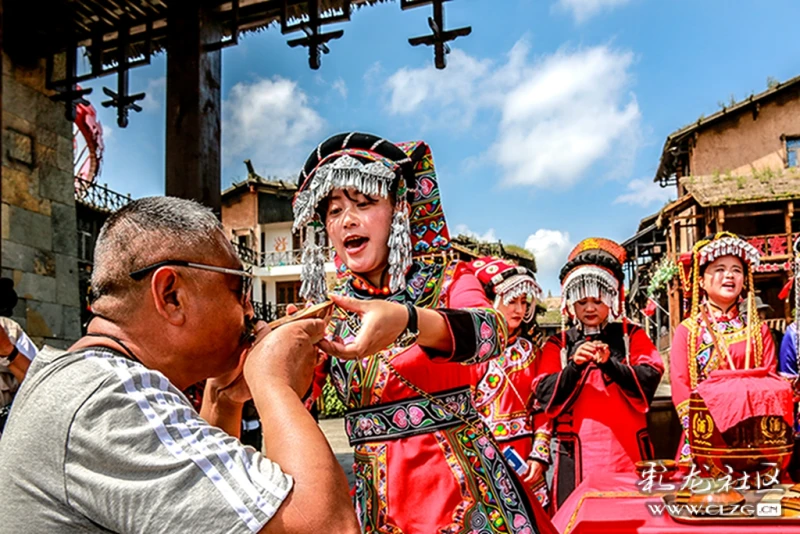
pixel 609 373
pixel 717 335
pixel 504 395
pixel 406 323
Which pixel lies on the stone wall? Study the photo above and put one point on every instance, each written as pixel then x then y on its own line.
pixel 39 229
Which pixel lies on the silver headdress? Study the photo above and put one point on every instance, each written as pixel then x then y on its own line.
pixel 366 171
pixel 590 281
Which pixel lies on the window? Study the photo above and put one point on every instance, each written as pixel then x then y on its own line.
pixel 263 242
pixel 792 151
pixel 287 292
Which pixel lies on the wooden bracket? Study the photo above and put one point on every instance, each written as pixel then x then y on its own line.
pixel 314 40
pixel 121 99
pixel 440 37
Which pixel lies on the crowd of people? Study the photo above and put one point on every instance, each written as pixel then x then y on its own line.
pixel 452 402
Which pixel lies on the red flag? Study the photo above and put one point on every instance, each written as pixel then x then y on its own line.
pixel 784 294
pixel 650 309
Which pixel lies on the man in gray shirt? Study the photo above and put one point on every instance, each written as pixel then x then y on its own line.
pixel 101 439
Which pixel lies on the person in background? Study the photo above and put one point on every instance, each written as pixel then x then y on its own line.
pixel 763 309
pixel 787 356
pixel 503 396
pixel 609 373
pixel 16 350
pixel 717 335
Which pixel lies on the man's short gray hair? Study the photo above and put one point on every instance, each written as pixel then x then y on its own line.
pixel 146 231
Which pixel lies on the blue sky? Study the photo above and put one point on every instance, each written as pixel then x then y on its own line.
pixel 546 127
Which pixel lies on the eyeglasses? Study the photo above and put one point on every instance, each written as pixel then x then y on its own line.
pixel 246 275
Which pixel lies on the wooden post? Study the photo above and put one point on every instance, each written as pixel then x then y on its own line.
pixel 720 219
pixel 787 307
pixel 2 132
pixel 194 74
pixel 675 311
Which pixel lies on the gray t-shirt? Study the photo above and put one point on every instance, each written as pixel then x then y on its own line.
pixel 97 442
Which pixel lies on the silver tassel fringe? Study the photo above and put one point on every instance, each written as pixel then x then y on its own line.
pixel 399 248
pixel 312 275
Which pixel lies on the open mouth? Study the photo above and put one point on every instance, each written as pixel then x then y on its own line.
pixel 355 243
pixel 729 286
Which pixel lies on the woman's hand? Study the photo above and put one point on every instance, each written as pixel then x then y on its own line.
pixel 229 387
pixel 535 472
pixel 381 324
pixel 602 352
pixel 584 354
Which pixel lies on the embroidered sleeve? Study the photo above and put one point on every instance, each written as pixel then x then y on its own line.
pixel 541 441
pixel 478 334
pixel 683 416
pixel 768 359
pixel 679 361
pixel 555 391
pixel 477 331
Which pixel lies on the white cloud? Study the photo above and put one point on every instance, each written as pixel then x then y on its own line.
pixel 550 248
pixel 643 193
pixel 373 76
pixel 155 93
pixel 560 114
pixel 271 122
pixel 455 91
pixel 570 112
pixel 487 237
pixel 340 87
pixel 582 10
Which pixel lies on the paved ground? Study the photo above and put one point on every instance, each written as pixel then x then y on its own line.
pixel 334 431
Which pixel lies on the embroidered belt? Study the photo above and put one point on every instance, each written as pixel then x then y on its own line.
pixel 409 417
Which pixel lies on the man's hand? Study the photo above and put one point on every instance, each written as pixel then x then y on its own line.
pixel 287 355
pixel 381 323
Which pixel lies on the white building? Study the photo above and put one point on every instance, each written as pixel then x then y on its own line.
pixel 257 216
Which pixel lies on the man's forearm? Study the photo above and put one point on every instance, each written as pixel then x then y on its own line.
pixel 319 501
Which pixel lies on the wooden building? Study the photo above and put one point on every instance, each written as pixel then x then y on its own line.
pixel 736 170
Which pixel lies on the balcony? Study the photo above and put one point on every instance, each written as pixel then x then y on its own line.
pixel 268 311
pixel 773 248
pixel 274 259
pixel 98 196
